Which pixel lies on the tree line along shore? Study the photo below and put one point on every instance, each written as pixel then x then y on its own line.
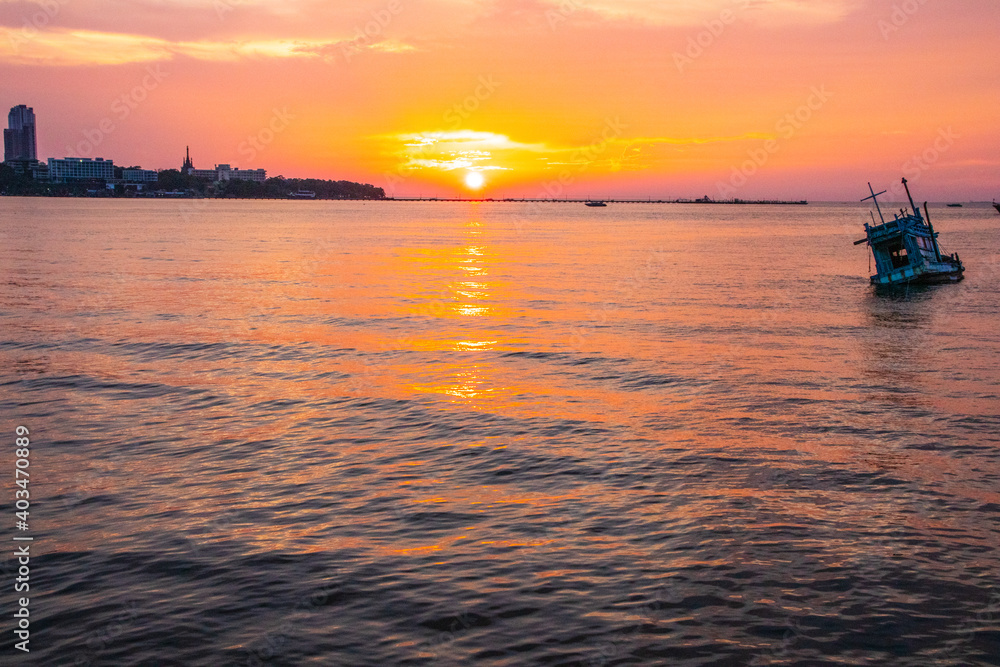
pixel 171 182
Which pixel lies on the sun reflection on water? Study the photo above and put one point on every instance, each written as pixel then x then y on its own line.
pixel 469 300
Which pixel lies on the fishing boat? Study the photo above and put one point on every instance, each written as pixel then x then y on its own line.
pixel 594 203
pixel 905 248
pixel 996 205
pixel 954 206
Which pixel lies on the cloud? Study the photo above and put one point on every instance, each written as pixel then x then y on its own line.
pixel 462 140
pixel 84 47
pixel 348 49
pixel 688 141
pixel 695 12
pixel 99 32
pixel 479 151
pixel 456 149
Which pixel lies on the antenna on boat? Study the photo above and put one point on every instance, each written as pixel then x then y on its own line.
pixel 913 207
pixel 875 198
pixel 930 228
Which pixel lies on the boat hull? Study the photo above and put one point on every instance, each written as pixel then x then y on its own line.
pixel 933 273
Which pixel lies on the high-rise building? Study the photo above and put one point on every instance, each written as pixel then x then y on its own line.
pixel 19 138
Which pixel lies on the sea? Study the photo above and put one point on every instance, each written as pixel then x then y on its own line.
pixel 493 433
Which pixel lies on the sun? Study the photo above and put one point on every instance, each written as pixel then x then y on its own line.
pixel 474 180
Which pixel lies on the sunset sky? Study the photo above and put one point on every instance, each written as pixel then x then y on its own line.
pixel 746 98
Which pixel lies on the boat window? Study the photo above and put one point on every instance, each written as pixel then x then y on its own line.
pixel 898 254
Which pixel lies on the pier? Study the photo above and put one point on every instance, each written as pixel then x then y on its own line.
pixel 537 200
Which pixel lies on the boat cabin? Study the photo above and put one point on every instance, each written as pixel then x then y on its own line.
pixel 902 242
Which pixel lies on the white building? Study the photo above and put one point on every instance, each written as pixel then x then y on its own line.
pixel 139 175
pixel 227 173
pixel 222 172
pixel 80 168
pixel 210 174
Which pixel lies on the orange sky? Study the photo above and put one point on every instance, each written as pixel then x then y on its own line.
pixel 746 98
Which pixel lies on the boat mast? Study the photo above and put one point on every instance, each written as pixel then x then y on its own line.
pixel 875 198
pixel 930 227
pixel 913 207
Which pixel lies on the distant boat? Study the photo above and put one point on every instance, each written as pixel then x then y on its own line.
pixel 906 249
pixel 304 194
pixel 595 203
pixel 996 205
pixel 954 206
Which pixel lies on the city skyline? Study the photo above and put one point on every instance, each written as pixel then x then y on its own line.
pixel 750 99
pixel 20 152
